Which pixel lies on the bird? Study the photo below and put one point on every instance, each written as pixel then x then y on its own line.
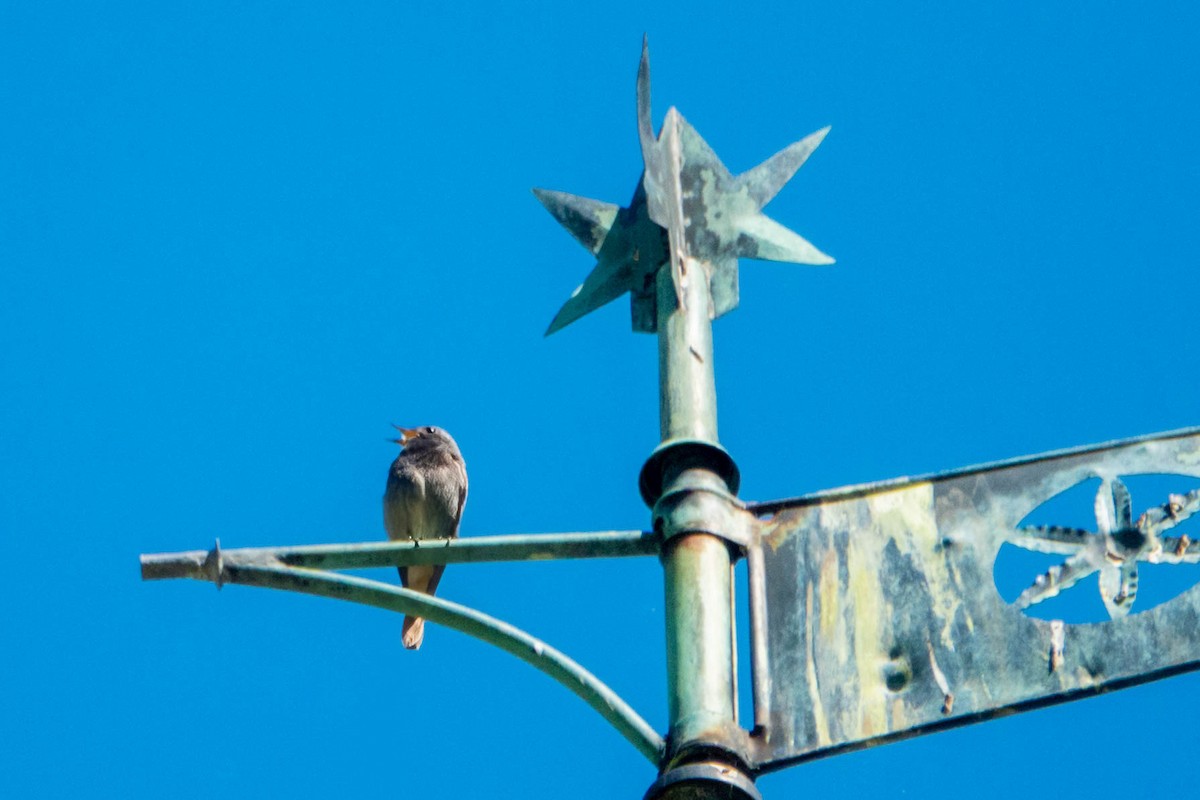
pixel 424 498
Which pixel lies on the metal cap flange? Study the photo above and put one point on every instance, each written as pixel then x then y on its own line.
pixel 696 451
pixel 705 780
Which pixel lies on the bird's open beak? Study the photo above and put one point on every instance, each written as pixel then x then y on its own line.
pixel 406 435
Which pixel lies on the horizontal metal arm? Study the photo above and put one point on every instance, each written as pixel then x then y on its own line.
pixel 522 547
pixel 443 612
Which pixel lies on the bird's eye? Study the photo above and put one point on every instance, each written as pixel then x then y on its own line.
pixel 429 430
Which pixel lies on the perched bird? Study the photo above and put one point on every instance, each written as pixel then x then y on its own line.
pixel 424 499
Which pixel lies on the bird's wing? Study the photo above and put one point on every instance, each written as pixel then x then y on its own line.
pixel 436 513
pixel 462 502
pixel 395 518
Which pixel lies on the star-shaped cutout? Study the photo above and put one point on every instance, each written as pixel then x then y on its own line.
pixel 687 206
pixel 1114 549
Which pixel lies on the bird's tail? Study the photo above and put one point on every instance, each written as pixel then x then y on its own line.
pixel 420 579
pixel 413 632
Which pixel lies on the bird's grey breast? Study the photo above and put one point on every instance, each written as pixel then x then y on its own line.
pixel 424 497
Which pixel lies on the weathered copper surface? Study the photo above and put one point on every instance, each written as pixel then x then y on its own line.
pixel 687 206
pixel 292 569
pixel 883 620
pixel 873 610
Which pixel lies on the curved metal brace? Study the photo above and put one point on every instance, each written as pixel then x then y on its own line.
pixel 513 640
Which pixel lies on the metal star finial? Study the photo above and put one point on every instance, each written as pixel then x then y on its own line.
pixel 686 205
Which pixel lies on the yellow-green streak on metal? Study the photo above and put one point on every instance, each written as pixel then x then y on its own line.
pixel 885 622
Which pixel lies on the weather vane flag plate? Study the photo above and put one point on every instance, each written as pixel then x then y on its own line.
pixel 687 208
pixel 883 620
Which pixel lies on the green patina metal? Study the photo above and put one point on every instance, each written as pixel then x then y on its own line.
pixel 675 250
pixel 469 621
pixel 520 547
pixel 687 205
pixel 305 569
pixel 883 620
pixel 873 611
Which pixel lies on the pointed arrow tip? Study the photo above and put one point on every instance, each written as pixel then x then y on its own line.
pixel 645 124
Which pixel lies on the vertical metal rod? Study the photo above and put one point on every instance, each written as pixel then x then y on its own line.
pixel 760 678
pixel 701 700
pixel 733 642
pixel 687 386
pixel 699 660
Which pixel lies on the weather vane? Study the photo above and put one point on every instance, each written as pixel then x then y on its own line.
pixel 873 611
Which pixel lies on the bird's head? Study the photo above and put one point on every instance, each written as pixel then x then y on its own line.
pixel 426 437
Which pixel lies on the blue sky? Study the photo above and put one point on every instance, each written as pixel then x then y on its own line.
pixel 237 240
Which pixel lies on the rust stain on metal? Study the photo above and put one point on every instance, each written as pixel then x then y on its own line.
pixel 776 529
pixel 884 621
pixel 1057 643
pixel 1182 546
pixel 696 542
pixel 939 678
